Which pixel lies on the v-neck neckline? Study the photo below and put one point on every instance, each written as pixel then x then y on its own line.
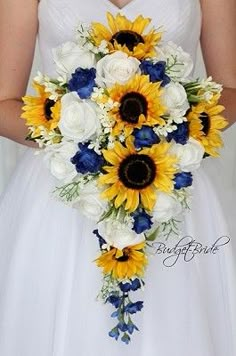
pixel 131 2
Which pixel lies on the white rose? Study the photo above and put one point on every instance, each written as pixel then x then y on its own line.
pixel 79 120
pixel 69 56
pixel 58 159
pixel 90 202
pixel 119 235
pixel 172 53
pixel 190 155
pixel 117 67
pixel 166 207
pixel 175 99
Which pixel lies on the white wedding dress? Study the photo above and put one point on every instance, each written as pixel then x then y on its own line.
pixel 48 280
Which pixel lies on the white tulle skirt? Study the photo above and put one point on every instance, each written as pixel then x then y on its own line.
pixel 9 154
pixel 49 282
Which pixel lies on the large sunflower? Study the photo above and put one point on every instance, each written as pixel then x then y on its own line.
pixel 127 36
pixel 134 176
pixel 126 263
pixel 205 124
pixel 40 110
pixel 139 104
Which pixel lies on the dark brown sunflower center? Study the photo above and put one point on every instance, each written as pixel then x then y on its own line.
pixel 137 171
pixel 129 38
pixel 125 256
pixel 132 105
pixel 205 120
pixel 47 109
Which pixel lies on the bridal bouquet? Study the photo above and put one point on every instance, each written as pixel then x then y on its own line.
pixel 123 126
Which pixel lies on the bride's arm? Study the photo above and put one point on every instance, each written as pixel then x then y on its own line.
pixel 218 41
pixel 18 30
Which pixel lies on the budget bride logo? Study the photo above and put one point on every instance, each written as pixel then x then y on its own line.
pixel 187 248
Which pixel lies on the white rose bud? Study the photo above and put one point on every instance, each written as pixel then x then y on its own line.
pixel 190 155
pixel 90 202
pixel 79 120
pixel 166 208
pixel 114 68
pixel 175 99
pixel 58 160
pixel 119 235
pixel 69 56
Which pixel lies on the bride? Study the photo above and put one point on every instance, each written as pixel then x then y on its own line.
pixel 48 281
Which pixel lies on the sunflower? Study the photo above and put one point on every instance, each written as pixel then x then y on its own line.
pixel 138 104
pixel 125 263
pixel 205 124
pixel 127 36
pixel 134 176
pixel 40 110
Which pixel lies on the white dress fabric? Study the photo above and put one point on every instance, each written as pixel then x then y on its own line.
pixel 48 280
pixel 9 154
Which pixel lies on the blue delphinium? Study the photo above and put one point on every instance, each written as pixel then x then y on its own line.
pixel 182 180
pixel 145 137
pixel 180 135
pixel 133 285
pixel 156 71
pixel 142 221
pixel 114 333
pixel 115 300
pixel 125 338
pixel 124 309
pixel 87 160
pixel 133 308
pixel 83 82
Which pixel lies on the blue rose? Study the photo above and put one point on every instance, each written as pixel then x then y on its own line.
pixel 145 137
pixel 142 221
pixel 156 71
pixel 87 160
pixel 183 179
pixel 180 135
pixel 83 82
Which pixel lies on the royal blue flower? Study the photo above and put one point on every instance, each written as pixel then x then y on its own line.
pixel 87 160
pixel 114 300
pixel 114 333
pixel 145 137
pixel 127 287
pixel 142 221
pixel 133 308
pixel 183 179
pixel 180 135
pixel 83 82
pixel 125 338
pixel 115 314
pixel 100 238
pixel 156 71
pixel 131 327
pixel 122 326
pixel 135 285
